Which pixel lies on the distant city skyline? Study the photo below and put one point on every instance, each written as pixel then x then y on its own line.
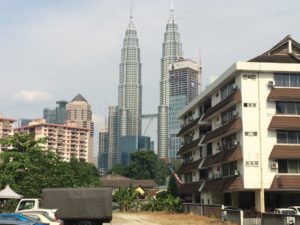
pixel 53 50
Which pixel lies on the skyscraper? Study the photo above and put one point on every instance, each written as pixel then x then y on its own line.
pixel 103 150
pixel 171 53
pixel 113 136
pixel 130 87
pixel 79 112
pixel 57 115
pixel 184 87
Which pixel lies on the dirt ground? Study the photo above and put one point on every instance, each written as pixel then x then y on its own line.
pixel 158 218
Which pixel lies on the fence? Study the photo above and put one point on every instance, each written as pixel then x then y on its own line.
pixel 241 217
pixel 203 210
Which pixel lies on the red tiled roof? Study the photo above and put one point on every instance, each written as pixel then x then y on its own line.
pixel 186 167
pixel 187 147
pixel 189 126
pixel 284 94
pixel 189 188
pixel 224 184
pixel 285 122
pixel 285 152
pixel 229 101
pixel 224 157
pixel 224 130
pixel 286 182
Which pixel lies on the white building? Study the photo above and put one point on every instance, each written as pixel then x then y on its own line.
pixel 241 135
pixel 66 140
pixel 6 129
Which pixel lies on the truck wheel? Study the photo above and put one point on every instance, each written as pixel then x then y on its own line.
pixel 86 222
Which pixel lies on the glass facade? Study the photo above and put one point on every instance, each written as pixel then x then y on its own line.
pixel 130 144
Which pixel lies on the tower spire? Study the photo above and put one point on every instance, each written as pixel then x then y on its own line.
pixel 131 10
pixel 172 7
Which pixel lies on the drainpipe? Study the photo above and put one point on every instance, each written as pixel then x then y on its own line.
pixel 262 192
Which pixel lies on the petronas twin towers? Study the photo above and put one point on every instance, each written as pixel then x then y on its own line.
pixel 130 87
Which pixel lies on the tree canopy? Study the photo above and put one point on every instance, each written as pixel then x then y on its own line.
pixel 144 164
pixel 27 168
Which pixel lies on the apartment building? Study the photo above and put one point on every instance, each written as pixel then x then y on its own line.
pixel 68 141
pixel 241 135
pixel 6 129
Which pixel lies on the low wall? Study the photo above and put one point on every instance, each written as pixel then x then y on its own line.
pixel 203 210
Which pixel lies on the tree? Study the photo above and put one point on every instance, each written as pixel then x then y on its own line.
pixel 146 165
pixel 119 169
pixel 27 168
pixel 172 186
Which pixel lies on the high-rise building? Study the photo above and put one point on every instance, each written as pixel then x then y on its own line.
pixel 130 87
pixel 241 135
pixel 68 140
pixel 171 53
pixel 184 86
pixel 57 115
pixel 22 122
pixel 130 144
pixel 114 136
pixel 79 112
pixel 6 129
pixel 103 151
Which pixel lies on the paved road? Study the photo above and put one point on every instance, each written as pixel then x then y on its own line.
pixel 130 219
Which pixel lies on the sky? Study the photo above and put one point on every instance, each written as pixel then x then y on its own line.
pixel 54 49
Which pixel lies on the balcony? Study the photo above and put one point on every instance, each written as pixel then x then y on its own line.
pixel 188 127
pixel 231 127
pixel 189 188
pixel 284 94
pixel 285 122
pixel 224 156
pixel 187 147
pixel 226 103
pixel 187 167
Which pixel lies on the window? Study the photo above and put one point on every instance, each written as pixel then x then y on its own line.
pixel 228 115
pixel 188 177
pixel 288 137
pixel 229 169
pixel 287 80
pixel 289 166
pixel 227 89
pixel 250 133
pixel 289 108
pixel 209 149
pixel 26 205
pixel 229 142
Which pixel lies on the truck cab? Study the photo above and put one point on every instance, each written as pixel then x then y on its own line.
pixel 33 205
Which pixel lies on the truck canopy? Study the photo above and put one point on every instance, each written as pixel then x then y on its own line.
pixel 78 203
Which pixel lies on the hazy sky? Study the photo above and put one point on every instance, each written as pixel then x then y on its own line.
pixel 54 49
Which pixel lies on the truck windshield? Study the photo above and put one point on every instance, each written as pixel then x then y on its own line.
pixel 26 205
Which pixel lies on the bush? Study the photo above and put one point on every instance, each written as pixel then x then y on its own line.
pixel 164 203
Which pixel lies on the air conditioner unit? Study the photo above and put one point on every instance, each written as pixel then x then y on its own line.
pixel 234 87
pixel 236 172
pixel 218 123
pixel 271 84
pixel 274 165
pixel 235 142
pixel 234 113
